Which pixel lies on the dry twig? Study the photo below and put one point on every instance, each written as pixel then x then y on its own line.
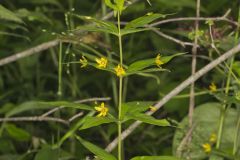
pixel 28 52
pixel 34 118
pixel 194 63
pixel 223 18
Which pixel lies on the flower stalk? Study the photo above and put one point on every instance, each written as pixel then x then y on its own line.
pixel 120 90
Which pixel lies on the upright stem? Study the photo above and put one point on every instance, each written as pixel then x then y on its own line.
pixel 222 116
pixel 60 70
pixel 236 136
pixel 120 93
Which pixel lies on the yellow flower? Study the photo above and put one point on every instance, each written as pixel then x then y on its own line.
pixel 213 87
pixel 158 60
pixel 84 62
pixel 102 62
pixel 213 138
pixel 119 70
pixel 207 147
pixel 102 110
pixel 152 109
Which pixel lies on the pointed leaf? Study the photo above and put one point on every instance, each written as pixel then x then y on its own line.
pixel 148 119
pixel 142 64
pixel 126 31
pixel 144 20
pixel 110 4
pixel 17 133
pixel 47 153
pixel 6 14
pixel 166 59
pixel 72 130
pixel 101 153
pixel 134 107
pixel 95 121
pixel 99 25
pixel 120 5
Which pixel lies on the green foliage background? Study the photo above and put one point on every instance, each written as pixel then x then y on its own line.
pixel 27 23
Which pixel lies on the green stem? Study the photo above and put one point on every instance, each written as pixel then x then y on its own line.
pixel 236 137
pixel 220 129
pixel 227 90
pixel 119 121
pixel 60 70
pixel 236 140
pixel 120 93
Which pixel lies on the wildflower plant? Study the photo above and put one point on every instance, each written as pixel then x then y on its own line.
pixel 126 110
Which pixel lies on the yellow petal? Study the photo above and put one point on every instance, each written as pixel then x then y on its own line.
pixel 98 108
pixel 100 114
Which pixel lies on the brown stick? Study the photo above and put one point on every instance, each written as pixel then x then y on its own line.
pixel 34 118
pixel 194 63
pixel 182 43
pixel 177 90
pixel 223 18
pixel 28 52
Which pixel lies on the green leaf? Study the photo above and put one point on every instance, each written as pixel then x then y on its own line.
pixel 101 153
pixel 144 20
pixel 135 107
pixel 67 104
pixel 133 30
pixel 72 130
pixel 166 59
pixel 142 64
pixel 47 153
pixel 15 35
pixel 17 133
pixel 98 25
pixel 148 119
pixel 36 105
pixel 110 4
pixel 33 16
pixel 155 158
pixel 120 5
pixel 207 118
pixel 95 121
pixel 236 67
pixel 6 14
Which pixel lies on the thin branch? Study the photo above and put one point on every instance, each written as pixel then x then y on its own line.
pixel 184 141
pixel 35 118
pixel 75 116
pixel 94 99
pixel 223 18
pixel 52 111
pixel 177 90
pixel 194 64
pixel 28 52
pixel 182 43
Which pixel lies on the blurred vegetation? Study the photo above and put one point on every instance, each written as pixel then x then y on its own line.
pixel 27 23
